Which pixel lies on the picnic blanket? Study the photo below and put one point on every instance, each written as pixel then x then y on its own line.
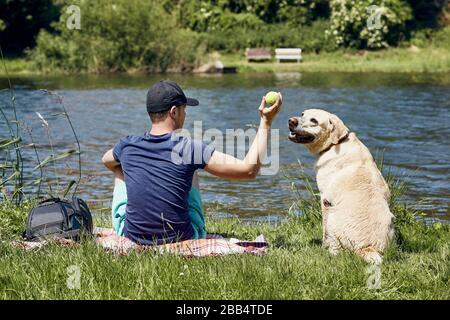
pixel 212 245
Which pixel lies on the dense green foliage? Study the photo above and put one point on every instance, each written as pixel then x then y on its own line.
pixel 207 15
pixel 429 37
pixel 429 14
pixel 122 36
pixel 140 35
pixel 354 23
pixel 233 25
pixel 311 38
pixel 21 20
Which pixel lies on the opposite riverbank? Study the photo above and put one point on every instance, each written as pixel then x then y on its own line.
pixel 398 60
pixel 395 60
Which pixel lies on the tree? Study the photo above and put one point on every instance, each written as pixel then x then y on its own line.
pixel 368 24
pixel 21 21
pixel 121 36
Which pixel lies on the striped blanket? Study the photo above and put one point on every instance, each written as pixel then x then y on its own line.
pixel 213 245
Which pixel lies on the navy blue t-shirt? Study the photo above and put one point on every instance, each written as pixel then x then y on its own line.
pixel 158 174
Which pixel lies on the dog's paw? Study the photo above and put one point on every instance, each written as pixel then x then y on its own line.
pixel 373 257
pixel 333 250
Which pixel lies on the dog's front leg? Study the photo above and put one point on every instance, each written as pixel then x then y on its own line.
pixel 324 208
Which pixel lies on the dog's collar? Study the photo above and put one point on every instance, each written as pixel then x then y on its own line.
pixel 339 142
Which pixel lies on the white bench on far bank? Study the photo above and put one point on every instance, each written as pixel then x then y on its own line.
pixel 288 54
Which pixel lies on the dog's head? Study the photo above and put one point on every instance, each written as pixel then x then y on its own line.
pixel 317 129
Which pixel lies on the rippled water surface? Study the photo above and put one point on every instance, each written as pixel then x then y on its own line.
pixel 406 116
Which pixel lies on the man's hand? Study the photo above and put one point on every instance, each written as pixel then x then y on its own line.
pixel 268 114
pixel 227 166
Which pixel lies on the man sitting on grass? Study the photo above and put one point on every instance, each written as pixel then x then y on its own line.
pixel 156 198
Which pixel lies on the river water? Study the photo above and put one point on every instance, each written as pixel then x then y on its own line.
pixel 404 117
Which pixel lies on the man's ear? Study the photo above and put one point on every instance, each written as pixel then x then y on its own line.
pixel 338 129
pixel 173 112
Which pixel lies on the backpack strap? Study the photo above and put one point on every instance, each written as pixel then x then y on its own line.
pixel 50 200
pixel 82 210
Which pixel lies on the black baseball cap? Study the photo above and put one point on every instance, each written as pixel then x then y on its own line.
pixel 165 94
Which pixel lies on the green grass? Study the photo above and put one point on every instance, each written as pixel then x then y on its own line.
pixel 398 60
pixel 416 266
pixel 17 66
pixel 395 60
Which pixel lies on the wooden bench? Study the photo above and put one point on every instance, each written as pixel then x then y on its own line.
pixel 288 54
pixel 258 54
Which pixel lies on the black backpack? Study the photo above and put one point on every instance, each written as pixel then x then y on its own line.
pixel 59 218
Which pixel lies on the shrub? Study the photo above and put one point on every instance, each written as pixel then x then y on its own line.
pixel 441 38
pixel 209 17
pixel 310 38
pixel 350 19
pixel 123 36
pixel 13 218
pixel 21 21
pixel 236 25
pixel 421 38
pixel 206 15
pixel 303 12
pixel 429 37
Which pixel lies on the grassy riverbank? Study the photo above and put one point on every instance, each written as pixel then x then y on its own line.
pixel 296 267
pixel 17 66
pixel 398 60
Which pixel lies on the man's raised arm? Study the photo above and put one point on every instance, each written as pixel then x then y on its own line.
pixel 227 166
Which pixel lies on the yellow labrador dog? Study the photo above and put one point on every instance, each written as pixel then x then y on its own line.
pixel 354 195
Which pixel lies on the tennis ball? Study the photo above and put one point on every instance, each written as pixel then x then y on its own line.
pixel 271 97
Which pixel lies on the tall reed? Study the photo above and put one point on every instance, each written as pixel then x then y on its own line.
pixel 14 140
pixel 12 173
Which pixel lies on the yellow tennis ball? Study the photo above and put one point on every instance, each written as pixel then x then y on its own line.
pixel 271 97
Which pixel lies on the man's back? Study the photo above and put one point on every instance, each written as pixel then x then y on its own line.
pixel 158 185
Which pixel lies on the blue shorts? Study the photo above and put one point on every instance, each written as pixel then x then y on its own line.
pixel 195 210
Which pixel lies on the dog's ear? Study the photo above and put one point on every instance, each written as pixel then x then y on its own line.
pixel 338 129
